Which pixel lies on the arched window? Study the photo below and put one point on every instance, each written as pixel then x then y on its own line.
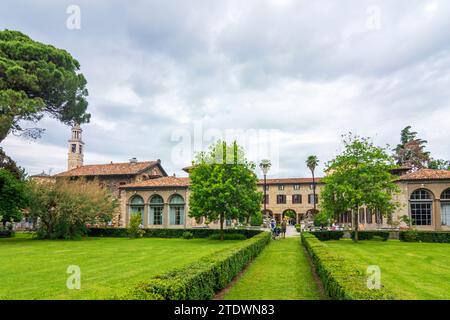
pixel 445 208
pixel 421 207
pixel 176 210
pixel 137 207
pixel 156 210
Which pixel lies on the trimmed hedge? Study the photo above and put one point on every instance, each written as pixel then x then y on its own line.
pixel 6 233
pixel 341 279
pixel 168 233
pixel 370 235
pixel 202 279
pixel 425 236
pixel 328 235
pixel 228 236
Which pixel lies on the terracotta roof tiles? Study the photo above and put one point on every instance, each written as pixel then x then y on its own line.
pixel 126 168
pixel 426 174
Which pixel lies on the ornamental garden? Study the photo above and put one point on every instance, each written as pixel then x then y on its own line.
pixel 375 227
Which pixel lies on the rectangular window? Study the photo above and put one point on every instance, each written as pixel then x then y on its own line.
pixel 296 198
pixel 266 199
pixel 421 213
pixel 296 187
pixel 178 215
pixel 378 217
pixel 81 149
pixel 281 187
pixel 157 215
pixel 311 199
pixel 445 213
pixel 267 188
pixel 74 148
pixel 362 216
pixel 369 216
pixel 281 198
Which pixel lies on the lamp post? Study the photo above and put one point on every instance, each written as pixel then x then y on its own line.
pixel 265 166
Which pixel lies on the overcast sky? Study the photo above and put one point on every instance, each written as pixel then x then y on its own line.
pixel 304 71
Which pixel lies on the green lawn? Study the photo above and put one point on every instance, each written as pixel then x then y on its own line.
pixel 410 270
pixel 280 272
pixel 36 269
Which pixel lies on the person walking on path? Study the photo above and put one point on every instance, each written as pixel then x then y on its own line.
pixel 283 227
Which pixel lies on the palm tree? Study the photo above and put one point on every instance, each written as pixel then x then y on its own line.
pixel 312 162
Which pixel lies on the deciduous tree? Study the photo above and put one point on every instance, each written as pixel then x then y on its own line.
pixel 359 176
pixel 224 185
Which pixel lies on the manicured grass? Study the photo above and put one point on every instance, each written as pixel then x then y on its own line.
pixel 36 269
pixel 280 272
pixel 410 270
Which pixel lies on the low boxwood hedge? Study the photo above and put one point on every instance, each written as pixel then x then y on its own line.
pixel 6 233
pixel 328 235
pixel 425 236
pixel 341 279
pixel 202 279
pixel 168 233
pixel 370 235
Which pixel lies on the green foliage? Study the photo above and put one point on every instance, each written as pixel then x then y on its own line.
pixel 38 79
pixel 328 235
pixel 228 236
pixel 134 229
pixel 167 233
pixel 439 164
pixel 200 280
pixel 223 185
pixel 256 220
pixel 425 236
pixel 321 219
pixel 411 150
pixel 187 235
pixel 65 207
pixel 10 165
pixel 341 279
pixel 372 235
pixel 359 176
pixel 13 198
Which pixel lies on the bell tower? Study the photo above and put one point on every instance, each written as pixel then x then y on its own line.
pixel 76 149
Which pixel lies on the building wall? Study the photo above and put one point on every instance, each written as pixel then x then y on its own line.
pixel 300 208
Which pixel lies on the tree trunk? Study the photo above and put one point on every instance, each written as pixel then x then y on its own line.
pixel 314 191
pixel 356 222
pixel 221 226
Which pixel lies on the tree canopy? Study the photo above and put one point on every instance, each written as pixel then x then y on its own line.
pixel 38 79
pixel 224 185
pixel 359 176
pixel 12 197
pixel 411 150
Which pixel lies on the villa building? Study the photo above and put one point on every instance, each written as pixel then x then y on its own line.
pixel 162 201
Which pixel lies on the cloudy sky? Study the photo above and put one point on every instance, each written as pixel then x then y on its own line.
pixel 295 73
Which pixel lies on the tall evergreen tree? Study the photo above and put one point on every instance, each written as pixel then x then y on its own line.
pixel 410 151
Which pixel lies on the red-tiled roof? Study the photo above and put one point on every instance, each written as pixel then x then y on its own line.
pixel 126 168
pixel 289 181
pixel 427 174
pixel 159 182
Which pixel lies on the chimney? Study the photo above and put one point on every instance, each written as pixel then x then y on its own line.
pixel 133 160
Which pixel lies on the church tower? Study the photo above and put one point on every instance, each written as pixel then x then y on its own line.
pixel 76 146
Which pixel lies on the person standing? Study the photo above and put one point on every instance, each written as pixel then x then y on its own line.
pixel 283 227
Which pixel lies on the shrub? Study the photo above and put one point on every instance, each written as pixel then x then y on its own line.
pixel 6 233
pixel 201 279
pixel 187 235
pixel 13 197
pixel 134 229
pixel 328 235
pixel 256 220
pixel 227 236
pixel 369 235
pixel 341 279
pixel 167 233
pixel 65 207
pixel 425 236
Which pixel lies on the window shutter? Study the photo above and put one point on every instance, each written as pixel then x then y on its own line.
pixel 172 216
pixel 181 215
